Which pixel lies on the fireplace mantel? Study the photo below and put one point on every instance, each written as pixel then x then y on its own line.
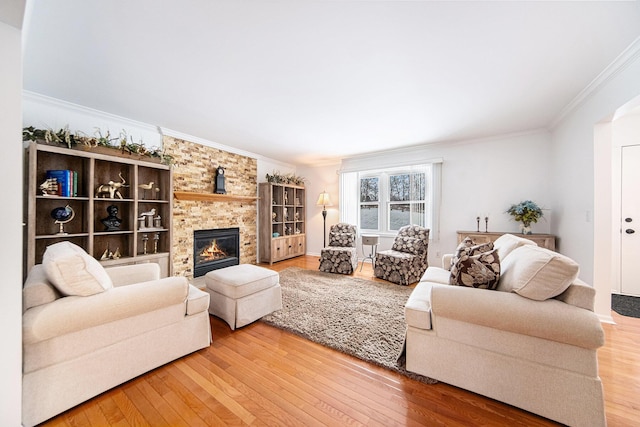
pixel 210 197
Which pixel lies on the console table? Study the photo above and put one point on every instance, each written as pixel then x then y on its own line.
pixel 543 240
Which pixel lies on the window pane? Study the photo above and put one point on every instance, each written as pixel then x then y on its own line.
pixel 399 215
pixel 399 188
pixel 417 214
pixel 369 217
pixel 369 190
pixel 418 186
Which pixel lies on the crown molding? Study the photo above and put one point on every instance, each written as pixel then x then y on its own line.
pixel 59 103
pixel 208 143
pixel 622 61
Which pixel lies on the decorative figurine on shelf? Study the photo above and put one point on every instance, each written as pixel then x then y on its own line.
pixel 286 198
pixel 274 216
pixel 146 187
pixel 286 214
pixel 157 222
pixel 297 216
pixel 62 215
pixel 112 222
pixel 145 220
pixel 49 187
pixel 220 181
pixel 107 254
pixel 297 230
pixel 112 188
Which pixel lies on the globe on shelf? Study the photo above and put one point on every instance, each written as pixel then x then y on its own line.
pixel 62 215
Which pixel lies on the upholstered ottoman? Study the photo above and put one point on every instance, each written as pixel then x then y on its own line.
pixel 243 293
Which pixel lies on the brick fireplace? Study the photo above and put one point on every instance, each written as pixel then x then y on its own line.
pixel 194 170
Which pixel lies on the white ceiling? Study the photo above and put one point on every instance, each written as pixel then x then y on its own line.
pixel 307 81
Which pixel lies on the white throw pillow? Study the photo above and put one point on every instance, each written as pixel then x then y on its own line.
pixel 73 271
pixel 537 273
pixel 508 242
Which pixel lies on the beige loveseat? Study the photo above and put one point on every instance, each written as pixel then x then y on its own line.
pixel 530 343
pixel 76 347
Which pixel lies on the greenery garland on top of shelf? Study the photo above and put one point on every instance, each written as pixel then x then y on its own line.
pixel 65 137
pixel 277 178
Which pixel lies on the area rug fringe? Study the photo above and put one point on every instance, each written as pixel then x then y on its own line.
pixel 358 317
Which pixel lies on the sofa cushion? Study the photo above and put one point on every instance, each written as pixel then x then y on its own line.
pixel 73 271
pixel 478 271
pixel 508 242
pixel 537 273
pixel 436 275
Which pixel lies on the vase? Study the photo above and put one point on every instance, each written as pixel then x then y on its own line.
pixel 526 228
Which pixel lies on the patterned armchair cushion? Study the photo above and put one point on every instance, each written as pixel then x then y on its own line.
pixel 345 240
pixel 412 239
pixel 338 260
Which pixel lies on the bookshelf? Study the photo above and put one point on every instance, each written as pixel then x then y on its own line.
pixel 136 239
pixel 282 221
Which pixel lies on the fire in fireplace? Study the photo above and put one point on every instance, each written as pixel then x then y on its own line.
pixel 214 249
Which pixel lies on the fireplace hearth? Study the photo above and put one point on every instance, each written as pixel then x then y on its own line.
pixel 215 248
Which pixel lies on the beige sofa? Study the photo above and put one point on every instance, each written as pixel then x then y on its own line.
pixel 76 347
pixel 530 343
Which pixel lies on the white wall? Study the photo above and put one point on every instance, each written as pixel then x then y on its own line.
pixel 319 179
pixel 478 177
pixel 582 175
pixel 11 250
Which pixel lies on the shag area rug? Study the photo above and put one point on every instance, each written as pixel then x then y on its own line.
pixel 359 317
pixel 626 305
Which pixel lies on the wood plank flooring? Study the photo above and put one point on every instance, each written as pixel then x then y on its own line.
pixel 260 375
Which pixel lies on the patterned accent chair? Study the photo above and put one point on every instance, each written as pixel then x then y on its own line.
pixel 406 261
pixel 340 256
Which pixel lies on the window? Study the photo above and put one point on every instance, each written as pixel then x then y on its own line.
pixel 391 199
pixel 407 194
pixel 369 203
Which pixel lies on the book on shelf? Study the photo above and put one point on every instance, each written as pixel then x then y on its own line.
pixel 67 181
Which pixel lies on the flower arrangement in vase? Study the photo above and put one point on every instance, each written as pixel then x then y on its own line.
pixel 526 212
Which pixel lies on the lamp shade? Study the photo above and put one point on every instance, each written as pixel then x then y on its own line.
pixel 324 199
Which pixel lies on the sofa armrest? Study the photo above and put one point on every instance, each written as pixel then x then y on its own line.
pixel 579 294
pixel 551 319
pixel 446 261
pixel 134 273
pixel 74 313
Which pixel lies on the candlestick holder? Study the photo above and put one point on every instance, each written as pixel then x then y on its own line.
pixel 486 224
pixel 478 224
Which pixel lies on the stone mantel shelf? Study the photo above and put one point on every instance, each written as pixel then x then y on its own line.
pixel 211 197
